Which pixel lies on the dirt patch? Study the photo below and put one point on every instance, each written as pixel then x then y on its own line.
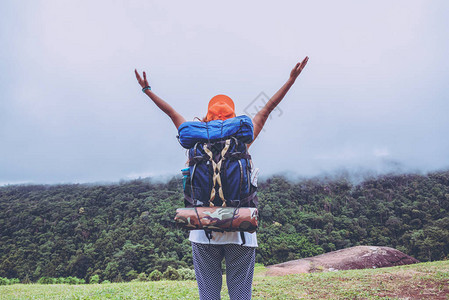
pixel 411 284
pixel 359 257
pixel 419 290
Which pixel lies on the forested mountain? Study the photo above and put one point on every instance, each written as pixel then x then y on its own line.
pixel 127 228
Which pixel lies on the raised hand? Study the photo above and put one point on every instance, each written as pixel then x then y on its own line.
pixel 143 82
pixel 261 117
pixel 164 106
pixel 298 69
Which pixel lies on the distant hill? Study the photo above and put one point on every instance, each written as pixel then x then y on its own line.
pixel 127 228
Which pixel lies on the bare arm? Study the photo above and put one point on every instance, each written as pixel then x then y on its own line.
pixel 164 106
pixel 262 116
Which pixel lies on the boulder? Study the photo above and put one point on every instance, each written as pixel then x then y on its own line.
pixel 359 257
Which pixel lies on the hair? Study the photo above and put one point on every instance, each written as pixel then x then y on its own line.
pixel 204 119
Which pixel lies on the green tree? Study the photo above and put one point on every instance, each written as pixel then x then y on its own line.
pixel 156 275
pixel 94 279
pixel 170 274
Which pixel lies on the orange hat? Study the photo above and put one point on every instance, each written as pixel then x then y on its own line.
pixel 220 107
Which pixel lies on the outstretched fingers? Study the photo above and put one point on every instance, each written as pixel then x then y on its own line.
pixel 298 68
pixel 137 75
pixel 304 62
pixel 143 82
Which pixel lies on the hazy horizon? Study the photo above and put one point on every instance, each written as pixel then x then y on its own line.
pixel 355 177
pixel 373 97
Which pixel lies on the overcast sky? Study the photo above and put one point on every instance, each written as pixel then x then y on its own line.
pixel 374 95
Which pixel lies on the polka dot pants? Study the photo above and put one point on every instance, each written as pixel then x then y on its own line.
pixel 239 270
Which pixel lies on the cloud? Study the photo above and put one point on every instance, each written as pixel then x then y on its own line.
pixel 381 152
pixel 374 91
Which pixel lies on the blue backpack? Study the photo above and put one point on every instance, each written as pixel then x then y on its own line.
pixel 219 172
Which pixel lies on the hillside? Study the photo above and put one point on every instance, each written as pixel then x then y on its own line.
pixel 121 230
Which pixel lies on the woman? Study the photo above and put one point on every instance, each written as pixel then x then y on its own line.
pixel 209 253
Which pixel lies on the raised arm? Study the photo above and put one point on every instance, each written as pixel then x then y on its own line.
pixel 261 117
pixel 164 106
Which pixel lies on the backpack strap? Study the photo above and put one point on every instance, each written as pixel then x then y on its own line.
pixel 242 235
pixel 208 234
pixel 216 168
pixel 197 159
pixel 251 200
pixel 237 155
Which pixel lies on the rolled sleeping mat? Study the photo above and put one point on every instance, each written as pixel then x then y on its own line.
pixel 218 218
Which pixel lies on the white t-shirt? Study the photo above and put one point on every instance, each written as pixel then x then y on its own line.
pixel 222 238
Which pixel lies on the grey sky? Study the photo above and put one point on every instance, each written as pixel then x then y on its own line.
pixel 374 95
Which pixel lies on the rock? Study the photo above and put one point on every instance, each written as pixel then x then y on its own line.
pixel 359 257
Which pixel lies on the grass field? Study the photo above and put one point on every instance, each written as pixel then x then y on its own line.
pixel 420 281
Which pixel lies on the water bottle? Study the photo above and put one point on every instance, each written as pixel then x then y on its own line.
pixel 185 176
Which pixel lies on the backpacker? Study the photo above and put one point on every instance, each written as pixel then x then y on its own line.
pixel 219 193
pixel 219 163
